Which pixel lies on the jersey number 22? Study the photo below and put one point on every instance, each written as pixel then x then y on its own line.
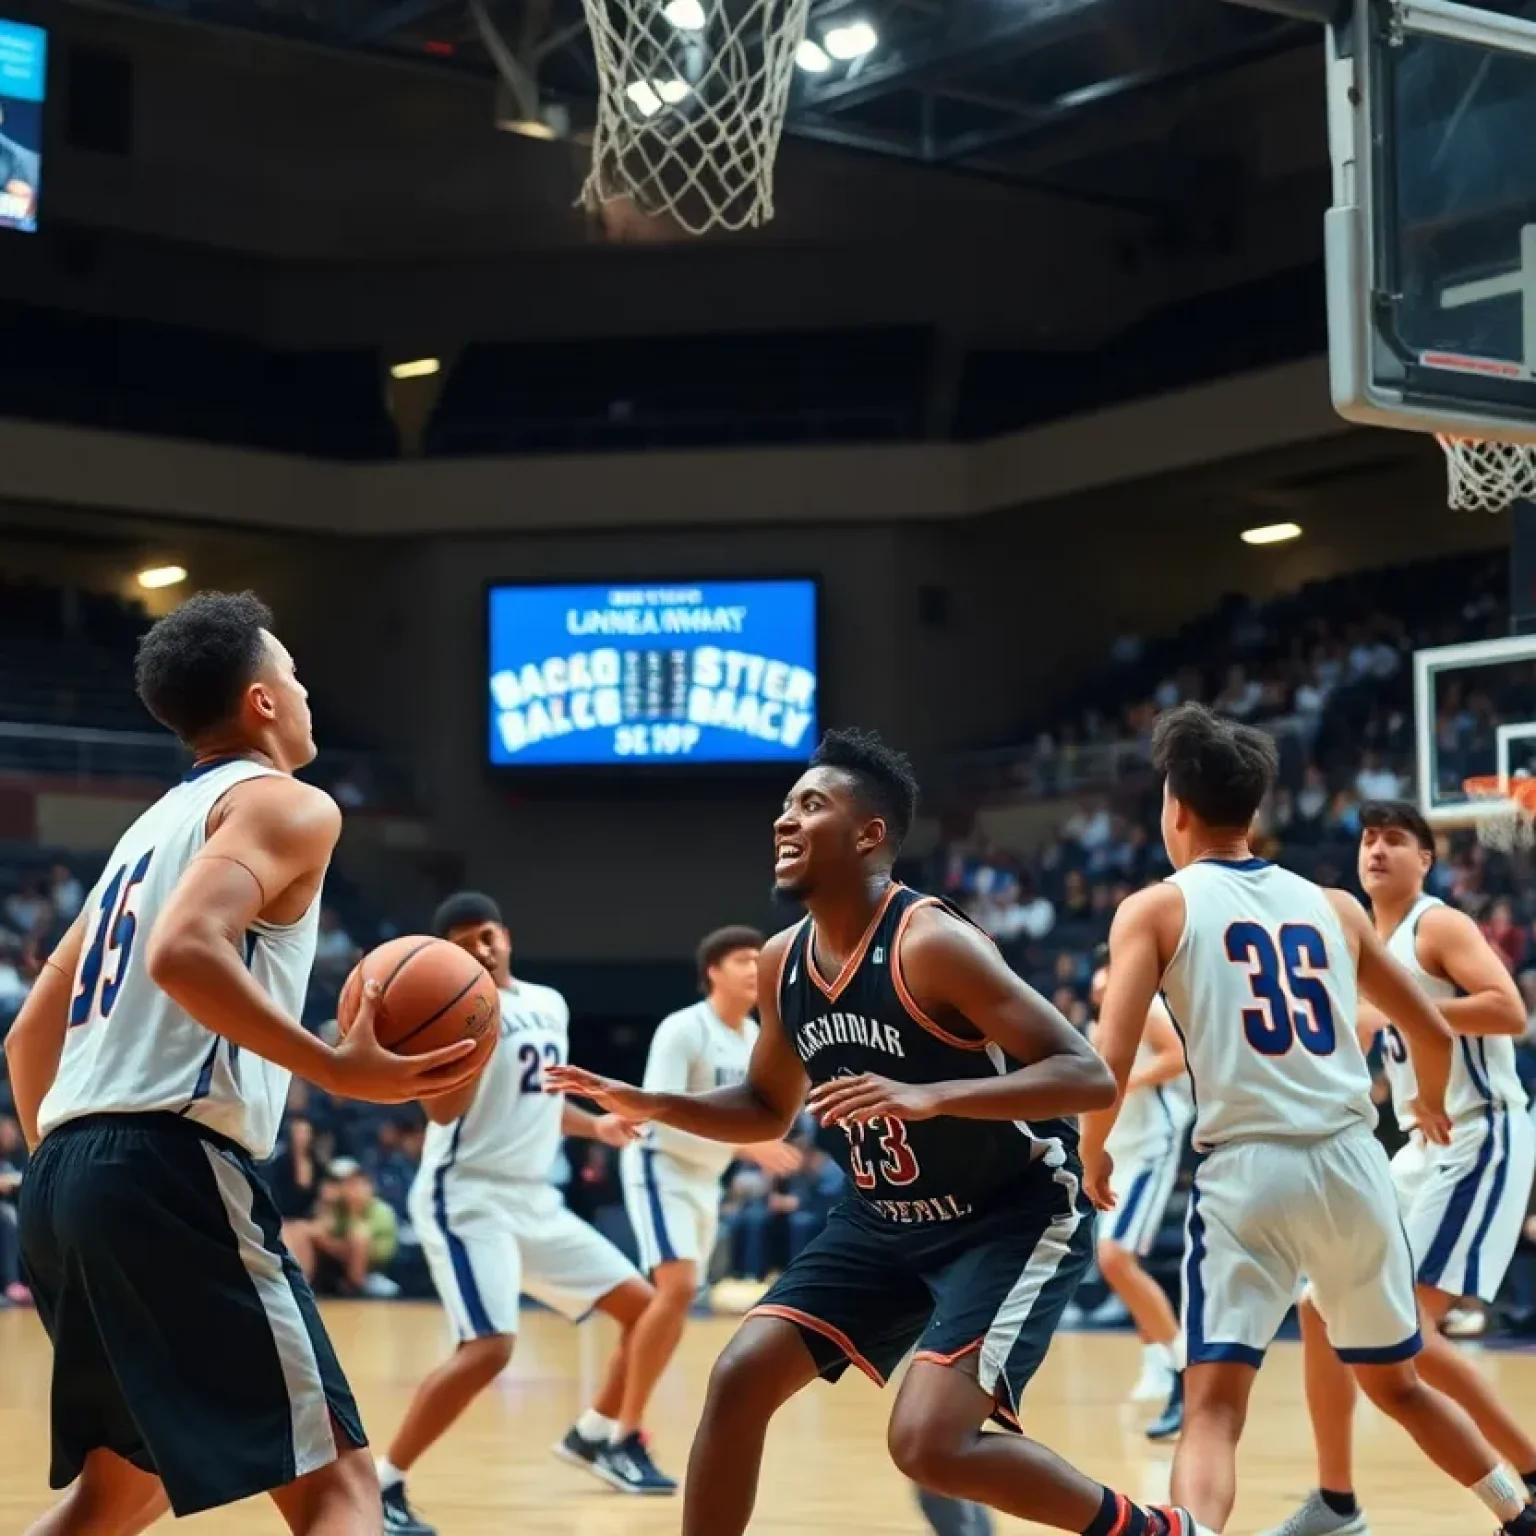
pixel 1281 976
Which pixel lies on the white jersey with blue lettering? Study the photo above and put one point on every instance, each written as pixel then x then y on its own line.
pixel 1262 986
pixel 1152 1121
pixel 129 1048
pixel 1483 1070
pixel 511 1131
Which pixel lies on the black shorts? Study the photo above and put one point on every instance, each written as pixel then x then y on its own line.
pixel 868 1290
pixel 185 1338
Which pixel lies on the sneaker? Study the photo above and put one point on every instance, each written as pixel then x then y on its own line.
pixel 1155 1381
pixel 626 1465
pixel 1169 1424
pixel 399 1518
pixel 1314 1518
pixel 578 1450
pixel 1179 1522
pixel 953 1517
pixel 1523 1524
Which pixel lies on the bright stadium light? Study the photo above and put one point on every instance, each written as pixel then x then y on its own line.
pixel 671 91
pixel 685 15
pixel 417 368
pixel 812 58
pixel 1272 533
pixel 643 98
pixel 155 576
pixel 851 41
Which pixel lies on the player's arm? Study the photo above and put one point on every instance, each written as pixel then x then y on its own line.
pixel 1451 946
pixel 271 845
pixel 761 1108
pixel 956 976
pixel 36 1039
pixel 1394 991
pixel 1144 933
pixel 1166 1061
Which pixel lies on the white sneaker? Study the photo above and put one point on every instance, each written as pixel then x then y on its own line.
pixel 1155 1383
pixel 1313 1518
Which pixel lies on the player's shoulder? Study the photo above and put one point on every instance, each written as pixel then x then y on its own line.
pixel 278 798
pixel 1154 906
pixel 545 999
pixel 1439 922
pixel 684 1021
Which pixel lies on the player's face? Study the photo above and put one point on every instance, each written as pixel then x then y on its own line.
pixel 281 701
pixel 821 831
pixel 489 943
pixel 1392 864
pixel 733 980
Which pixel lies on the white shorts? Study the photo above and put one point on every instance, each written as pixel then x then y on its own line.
pixel 675 1212
pixel 1142 1187
pixel 488 1243
pixel 1464 1205
pixel 1264 1214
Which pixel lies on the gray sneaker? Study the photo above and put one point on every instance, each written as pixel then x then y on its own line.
pixel 1314 1518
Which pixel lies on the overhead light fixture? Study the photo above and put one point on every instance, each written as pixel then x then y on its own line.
pixel 1272 533
pixel 153 577
pixel 852 40
pixel 685 15
pixel 643 98
pixel 671 91
pixel 417 368
pixel 812 57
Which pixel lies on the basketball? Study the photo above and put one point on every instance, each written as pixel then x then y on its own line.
pixel 433 993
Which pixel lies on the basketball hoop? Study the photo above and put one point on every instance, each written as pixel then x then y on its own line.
pixel 691 104
pixel 1487 477
pixel 1506 810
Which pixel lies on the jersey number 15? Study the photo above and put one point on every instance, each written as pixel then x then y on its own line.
pixel 114 926
pixel 1293 1000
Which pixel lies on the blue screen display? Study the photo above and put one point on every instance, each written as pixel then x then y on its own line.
pixel 23 85
pixel 697 672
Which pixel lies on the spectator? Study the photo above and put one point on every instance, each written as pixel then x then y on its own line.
pixel 1501 931
pixel 1376 781
pixel 13 986
pixel 24 909
pixel 335 953
pixel 355 1235
pixel 13 1156
pixel 293 1180
pixel 66 893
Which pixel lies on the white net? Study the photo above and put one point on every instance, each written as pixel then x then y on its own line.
pixel 1506 811
pixel 1487 477
pixel 691 104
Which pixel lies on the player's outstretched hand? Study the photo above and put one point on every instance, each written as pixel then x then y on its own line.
pixel 621 1099
pixel 775 1157
pixel 615 1131
pixel 361 1068
pixel 1096 1176
pixel 1432 1121
pixel 853 1100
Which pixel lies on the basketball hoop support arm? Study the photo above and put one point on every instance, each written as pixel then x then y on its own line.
pixel 1454 23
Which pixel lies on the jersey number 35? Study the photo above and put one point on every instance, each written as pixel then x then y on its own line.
pixel 1293 1000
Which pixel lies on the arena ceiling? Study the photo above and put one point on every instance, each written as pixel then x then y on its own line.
pixel 1000 89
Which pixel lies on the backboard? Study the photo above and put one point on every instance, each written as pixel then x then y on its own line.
pixel 1431 239
pixel 1474 709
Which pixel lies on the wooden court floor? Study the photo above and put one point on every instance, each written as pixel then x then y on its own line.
pixel 826 1468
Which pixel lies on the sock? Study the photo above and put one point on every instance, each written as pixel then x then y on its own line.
pixel 1339 1503
pixel 593 1425
pixel 1161 1354
pixel 1117 1516
pixel 1176 1352
pixel 1502 1494
pixel 390 1476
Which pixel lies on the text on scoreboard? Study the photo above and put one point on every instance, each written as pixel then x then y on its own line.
pixel 704 672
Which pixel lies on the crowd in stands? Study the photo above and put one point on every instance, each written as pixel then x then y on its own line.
pixel 1327 670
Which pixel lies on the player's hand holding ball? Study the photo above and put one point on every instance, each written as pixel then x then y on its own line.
pixel 868 1097
pixel 627 1102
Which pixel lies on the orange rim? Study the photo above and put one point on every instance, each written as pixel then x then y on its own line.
pixel 1521 793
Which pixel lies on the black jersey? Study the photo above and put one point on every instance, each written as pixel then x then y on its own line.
pixel 867 1021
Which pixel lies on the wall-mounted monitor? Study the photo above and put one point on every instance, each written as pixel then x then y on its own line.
pixel 23 90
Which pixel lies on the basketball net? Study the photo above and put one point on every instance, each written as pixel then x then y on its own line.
pixel 1507 819
pixel 1487 477
pixel 691 103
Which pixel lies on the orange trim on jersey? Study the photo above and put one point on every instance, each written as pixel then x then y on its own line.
pixel 954 1359
pixel 826 1330
pixel 959 1042
pixel 1122 1516
pixel 1008 1414
pixel 856 959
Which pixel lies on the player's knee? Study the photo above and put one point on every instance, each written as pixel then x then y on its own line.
pixel 1116 1261
pixel 739 1384
pixel 676 1282
pixel 921 1452
pixel 487 1357
pixel 1393 1389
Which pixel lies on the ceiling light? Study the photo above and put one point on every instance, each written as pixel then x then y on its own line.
pixel 643 98
pixel 417 368
pixel 685 15
pixel 1272 533
pixel 851 41
pixel 154 576
pixel 812 58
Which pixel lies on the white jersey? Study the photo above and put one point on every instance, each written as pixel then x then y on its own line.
pixel 130 1049
pixel 692 1051
pixel 1262 987
pixel 1152 1121
pixel 511 1130
pixel 1482 1067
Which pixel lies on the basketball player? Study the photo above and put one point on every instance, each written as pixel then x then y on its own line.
pixel 966 1232
pixel 150 1064
pixel 1463 1205
pixel 1146 1148
pixel 671 1179
pixel 492 1226
pixel 1259 968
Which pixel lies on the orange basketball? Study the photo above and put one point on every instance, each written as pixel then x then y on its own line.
pixel 433 994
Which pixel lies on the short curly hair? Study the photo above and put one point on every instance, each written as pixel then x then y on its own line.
pixel 883 778
pixel 193 665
